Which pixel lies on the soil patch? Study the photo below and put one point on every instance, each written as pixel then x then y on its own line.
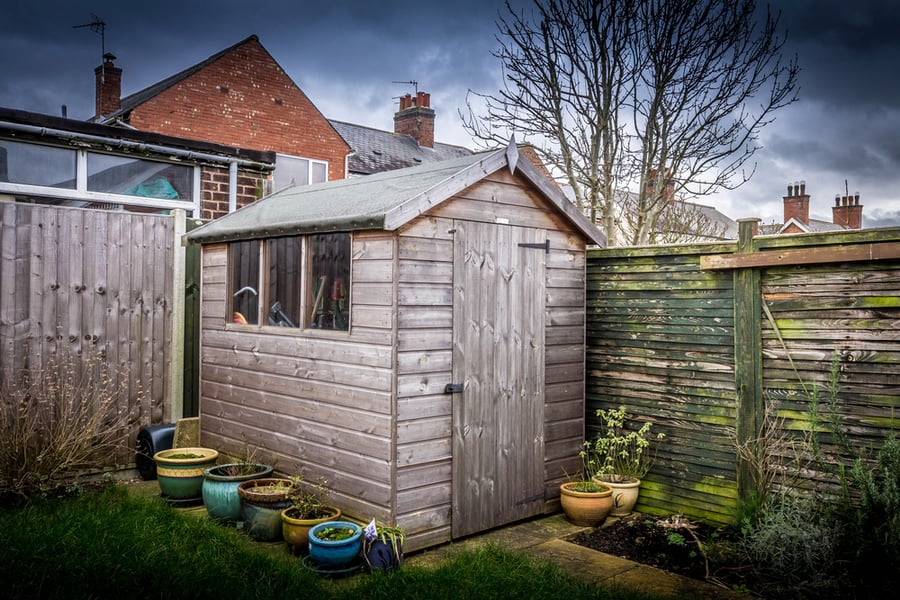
pixel 669 544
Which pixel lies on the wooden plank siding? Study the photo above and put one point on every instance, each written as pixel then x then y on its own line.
pixel 424 353
pixel 91 281
pixel 316 403
pixel 661 340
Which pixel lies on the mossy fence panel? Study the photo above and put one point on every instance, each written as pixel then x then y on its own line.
pixel 699 339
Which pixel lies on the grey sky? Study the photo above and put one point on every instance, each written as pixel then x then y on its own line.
pixel 345 55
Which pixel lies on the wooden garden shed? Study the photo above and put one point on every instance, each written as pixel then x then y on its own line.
pixel 415 337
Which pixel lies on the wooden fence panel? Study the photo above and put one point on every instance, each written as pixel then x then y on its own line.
pixel 90 281
pixel 698 339
pixel 660 341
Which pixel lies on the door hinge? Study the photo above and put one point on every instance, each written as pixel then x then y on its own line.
pixel 540 496
pixel 545 246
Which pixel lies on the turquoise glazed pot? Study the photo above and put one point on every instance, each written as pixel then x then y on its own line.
pixel 333 554
pixel 180 471
pixel 220 483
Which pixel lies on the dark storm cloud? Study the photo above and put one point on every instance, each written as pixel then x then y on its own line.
pixel 345 56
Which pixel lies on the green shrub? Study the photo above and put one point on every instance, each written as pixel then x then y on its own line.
pixel 793 546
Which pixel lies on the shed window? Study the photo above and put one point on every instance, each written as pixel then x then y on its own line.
pixel 329 264
pixel 243 261
pixel 305 284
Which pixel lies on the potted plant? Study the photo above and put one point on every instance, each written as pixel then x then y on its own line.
pixel 382 546
pixel 309 507
pixel 220 485
pixel 262 501
pixel 335 544
pixel 180 472
pixel 620 458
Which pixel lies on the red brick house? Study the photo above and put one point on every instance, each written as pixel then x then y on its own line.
pixel 845 214
pixel 239 97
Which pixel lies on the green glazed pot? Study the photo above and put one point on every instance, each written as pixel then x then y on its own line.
pixel 180 471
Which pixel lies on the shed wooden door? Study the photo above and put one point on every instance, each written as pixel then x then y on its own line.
pixel 498 357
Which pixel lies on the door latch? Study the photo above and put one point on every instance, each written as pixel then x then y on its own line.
pixel 453 388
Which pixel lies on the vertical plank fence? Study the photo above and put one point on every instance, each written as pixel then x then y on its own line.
pixel 93 281
pixel 699 338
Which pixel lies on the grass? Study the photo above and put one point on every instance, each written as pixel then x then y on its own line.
pixel 109 544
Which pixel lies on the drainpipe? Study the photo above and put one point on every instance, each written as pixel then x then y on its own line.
pixel 232 186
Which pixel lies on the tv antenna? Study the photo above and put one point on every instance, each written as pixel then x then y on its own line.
pixel 415 85
pixel 98 26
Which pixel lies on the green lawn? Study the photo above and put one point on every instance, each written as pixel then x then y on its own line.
pixel 109 544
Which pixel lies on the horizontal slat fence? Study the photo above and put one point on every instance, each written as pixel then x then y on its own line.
pixel 671 337
pixel 660 341
pixel 90 282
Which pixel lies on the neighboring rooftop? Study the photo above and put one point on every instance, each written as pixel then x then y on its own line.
pixel 375 150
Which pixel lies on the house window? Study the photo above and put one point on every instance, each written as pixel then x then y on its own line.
pixel 291 171
pixel 138 177
pixel 306 282
pixel 34 164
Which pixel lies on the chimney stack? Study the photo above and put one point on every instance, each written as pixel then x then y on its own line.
pixel 847 211
pixel 796 203
pixel 416 118
pixel 108 88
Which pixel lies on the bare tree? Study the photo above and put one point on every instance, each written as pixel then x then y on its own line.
pixel 619 94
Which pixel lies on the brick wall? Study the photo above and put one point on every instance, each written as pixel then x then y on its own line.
pixel 245 99
pixel 214 190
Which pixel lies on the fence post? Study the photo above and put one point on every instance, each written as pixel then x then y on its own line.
pixel 176 350
pixel 747 352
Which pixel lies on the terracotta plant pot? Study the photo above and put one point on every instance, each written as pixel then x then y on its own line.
pixel 180 471
pixel 625 494
pixel 296 529
pixel 586 509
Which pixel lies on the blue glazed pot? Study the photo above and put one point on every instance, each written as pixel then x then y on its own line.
pixel 335 553
pixel 220 485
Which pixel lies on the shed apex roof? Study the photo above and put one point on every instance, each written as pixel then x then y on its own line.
pixel 384 201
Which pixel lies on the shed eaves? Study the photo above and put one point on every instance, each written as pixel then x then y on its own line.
pixel 342 205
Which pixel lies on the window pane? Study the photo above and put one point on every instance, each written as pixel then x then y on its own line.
pixel 319 172
pixel 34 164
pixel 243 261
pixel 137 177
pixel 285 270
pixel 329 262
pixel 290 171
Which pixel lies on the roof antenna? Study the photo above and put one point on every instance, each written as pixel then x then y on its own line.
pixel 98 26
pixel 415 85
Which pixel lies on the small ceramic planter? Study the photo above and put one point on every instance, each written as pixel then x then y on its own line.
pixel 220 485
pixel 180 471
pixel 585 509
pixel 624 493
pixel 335 554
pixel 296 529
pixel 261 506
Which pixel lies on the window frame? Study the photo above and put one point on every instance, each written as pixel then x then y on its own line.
pixel 264 303
pixel 81 193
pixel 310 163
